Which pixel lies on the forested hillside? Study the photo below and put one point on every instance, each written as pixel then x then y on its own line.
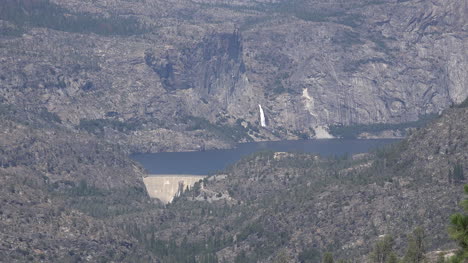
pixel 66 196
pixel 58 190
pixel 299 206
pixel 83 84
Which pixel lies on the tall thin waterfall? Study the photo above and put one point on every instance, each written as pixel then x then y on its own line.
pixel 262 116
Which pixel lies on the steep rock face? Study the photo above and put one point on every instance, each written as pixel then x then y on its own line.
pixel 308 64
pixel 179 70
pixel 301 205
pixel 440 146
pixel 66 157
pixel 39 226
pixel 157 87
pixel 49 176
pixel 384 63
pixel 209 75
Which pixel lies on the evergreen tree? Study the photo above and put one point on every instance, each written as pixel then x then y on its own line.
pixel 416 247
pixel 310 255
pixel 196 189
pixel 282 257
pixel 328 258
pixel 458 175
pixel 392 258
pixel 440 258
pixel 458 230
pixel 241 257
pixel 208 258
pixel 383 251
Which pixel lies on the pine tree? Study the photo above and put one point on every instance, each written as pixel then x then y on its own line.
pixel 383 251
pixel 282 257
pixel 328 258
pixel 458 175
pixel 458 230
pixel 392 258
pixel 416 247
pixel 440 258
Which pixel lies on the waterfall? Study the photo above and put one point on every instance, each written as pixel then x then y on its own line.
pixel 262 116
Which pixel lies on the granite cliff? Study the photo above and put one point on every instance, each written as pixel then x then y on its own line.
pixel 190 75
pixel 67 195
pixel 58 187
pixel 274 205
pixel 84 83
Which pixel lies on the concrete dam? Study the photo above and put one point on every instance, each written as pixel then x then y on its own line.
pixel 166 187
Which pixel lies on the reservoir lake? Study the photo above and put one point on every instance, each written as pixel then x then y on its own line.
pixel 210 161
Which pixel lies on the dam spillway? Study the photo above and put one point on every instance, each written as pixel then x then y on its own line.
pixel 166 187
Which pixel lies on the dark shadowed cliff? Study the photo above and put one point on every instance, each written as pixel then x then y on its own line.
pixel 188 75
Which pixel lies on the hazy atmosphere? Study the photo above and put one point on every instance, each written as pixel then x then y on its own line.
pixel 212 131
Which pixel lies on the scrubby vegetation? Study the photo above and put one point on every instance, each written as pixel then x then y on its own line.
pixel 43 13
pixel 353 131
pixel 268 202
pixel 35 118
pixel 355 65
pixel 459 231
pixel 347 38
pixel 231 133
pixel 464 104
pixel 98 126
pixel 300 9
pixel 416 247
pixel 287 184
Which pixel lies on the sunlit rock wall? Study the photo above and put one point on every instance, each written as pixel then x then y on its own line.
pixel 166 187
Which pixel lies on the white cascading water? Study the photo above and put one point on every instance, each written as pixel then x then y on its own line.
pixel 262 116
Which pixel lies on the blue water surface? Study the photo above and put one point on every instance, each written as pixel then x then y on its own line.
pixel 207 162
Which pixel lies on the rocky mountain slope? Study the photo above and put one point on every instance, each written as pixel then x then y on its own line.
pixel 187 75
pixel 69 196
pixel 58 187
pixel 84 83
pixel 277 204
